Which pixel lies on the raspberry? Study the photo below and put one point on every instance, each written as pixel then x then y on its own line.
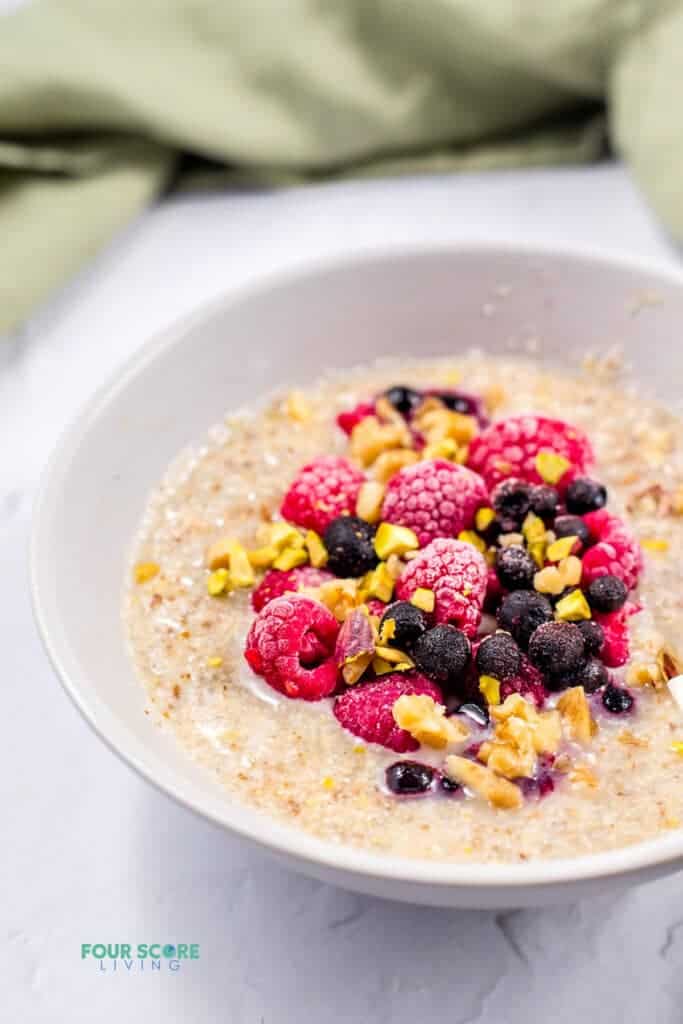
pixel 435 498
pixel 276 583
pixel 616 648
pixel 528 682
pixel 350 418
pixel 291 644
pixel 457 574
pixel 615 553
pixel 365 710
pixel 322 490
pixel 509 448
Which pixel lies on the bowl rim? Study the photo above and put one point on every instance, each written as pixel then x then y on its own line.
pixel 265 830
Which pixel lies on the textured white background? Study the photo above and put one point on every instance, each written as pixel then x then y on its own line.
pixel 88 852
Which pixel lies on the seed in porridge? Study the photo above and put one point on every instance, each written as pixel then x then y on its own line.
pixel 593 635
pixel 544 501
pixel 443 653
pixel 214 662
pixel 475 712
pixel 572 526
pixel 403 399
pixel 523 611
pixel 394 540
pixel 145 571
pixel 606 593
pixel 323 489
pixel 499 656
pixel 515 568
pixel 408 778
pixel 657 545
pixel 573 607
pixel 617 700
pixel 511 500
pixel 557 648
pixel 401 625
pixel 585 495
pixel 350 546
pixel 423 599
pixel 550 466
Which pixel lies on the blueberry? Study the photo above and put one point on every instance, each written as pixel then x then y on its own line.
pixel 511 500
pixel 593 675
pixel 515 568
pixel 499 656
pixel 585 495
pixel 443 654
pixel 409 621
pixel 544 501
pixel 572 526
pixel 557 648
pixel 408 778
pixel 403 399
pixel 616 700
pixel 593 636
pixel 606 593
pixel 523 611
pixel 449 786
pixel 350 546
pixel 475 713
pixel 456 402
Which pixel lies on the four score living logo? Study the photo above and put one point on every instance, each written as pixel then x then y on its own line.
pixel 145 956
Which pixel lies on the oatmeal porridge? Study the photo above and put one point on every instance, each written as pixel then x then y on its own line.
pixel 427 608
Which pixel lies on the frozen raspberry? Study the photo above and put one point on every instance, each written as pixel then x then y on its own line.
pixel 528 681
pixel 457 574
pixel 365 710
pixel 291 644
pixel 615 650
pixel 276 583
pixel 509 448
pixel 350 418
pixel 615 553
pixel 322 490
pixel 435 498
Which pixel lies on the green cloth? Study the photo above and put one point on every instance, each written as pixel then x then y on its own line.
pixel 104 104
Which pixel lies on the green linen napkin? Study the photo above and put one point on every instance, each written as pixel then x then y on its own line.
pixel 103 105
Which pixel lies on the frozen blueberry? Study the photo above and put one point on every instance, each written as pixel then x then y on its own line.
pixel 544 501
pixel 572 526
pixel 443 653
pixel 409 621
pixel 511 500
pixel 593 635
pixel 593 675
pixel 408 778
pixel 606 593
pixel 557 648
pixel 350 546
pixel 403 399
pixel 475 713
pixel 585 495
pixel 616 700
pixel 522 612
pixel 499 656
pixel 449 786
pixel 515 568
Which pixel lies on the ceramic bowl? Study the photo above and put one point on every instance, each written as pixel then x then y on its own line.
pixel 285 332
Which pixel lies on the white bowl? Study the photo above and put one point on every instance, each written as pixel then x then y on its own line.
pixel 286 331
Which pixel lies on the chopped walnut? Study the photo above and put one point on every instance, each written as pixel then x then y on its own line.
pixel 484 782
pixel 576 714
pixel 425 720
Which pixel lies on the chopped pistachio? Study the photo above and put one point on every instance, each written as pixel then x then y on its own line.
pixel 214 662
pixel 560 549
pixel 381 667
pixel 549 581
pixel 470 537
pixel 290 558
pixel 317 552
pixel 446 448
pixel 573 608
pixel 484 518
pixel 145 571
pixel 369 501
pixel 395 657
pixel 394 540
pixel 297 407
pixel 263 558
pixel 378 583
pixel 218 582
pixel 551 466
pixel 423 599
pixel 655 544
pixel 490 688
pixel 387 631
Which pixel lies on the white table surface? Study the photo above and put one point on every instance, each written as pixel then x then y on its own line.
pixel 90 853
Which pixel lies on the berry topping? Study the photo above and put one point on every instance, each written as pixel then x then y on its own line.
pixel 403 399
pixel 498 656
pixel 443 654
pixel 511 500
pixel 401 625
pixel 366 709
pixel 464 403
pixel 352 417
pixel 529 682
pixel 584 495
pixel 557 648
pixel 408 778
pixel 616 553
pixel 544 501
pixel 606 594
pixel 593 635
pixel 522 612
pixel 291 644
pixel 516 568
pixel 616 648
pixel 475 713
pixel 457 575
pixel 435 498
pixel 350 544
pixel 593 675
pixel 448 786
pixel 323 489
pixel 276 583
pixel 572 526
pixel 616 700
pixel 509 448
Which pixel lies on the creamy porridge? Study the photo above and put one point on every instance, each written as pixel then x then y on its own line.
pixel 380 703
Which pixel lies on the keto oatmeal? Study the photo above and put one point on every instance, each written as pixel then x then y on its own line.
pixel 428 608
